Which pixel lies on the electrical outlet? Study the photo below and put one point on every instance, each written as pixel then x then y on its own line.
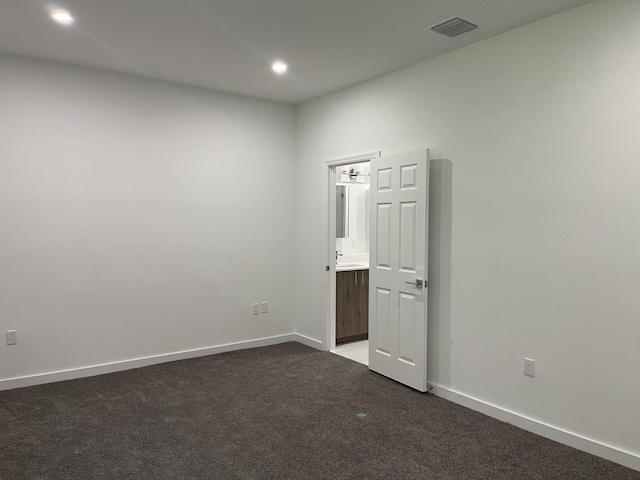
pixel 12 338
pixel 265 307
pixel 530 367
pixel 256 309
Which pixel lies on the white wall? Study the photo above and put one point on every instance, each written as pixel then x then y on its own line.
pixel 138 217
pixel 539 227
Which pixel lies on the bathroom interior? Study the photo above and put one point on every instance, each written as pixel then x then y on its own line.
pixel 352 261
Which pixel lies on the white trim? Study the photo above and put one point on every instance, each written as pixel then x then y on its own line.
pixel 329 340
pixel 310 342
pixel 579 442
pixel 73 373
pixel 355 158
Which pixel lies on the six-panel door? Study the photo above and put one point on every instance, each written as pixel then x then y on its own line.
pixel 398 267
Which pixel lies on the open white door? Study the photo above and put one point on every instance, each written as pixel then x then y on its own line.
pixel 398 270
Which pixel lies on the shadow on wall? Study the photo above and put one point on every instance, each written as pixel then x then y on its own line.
pixel 439 313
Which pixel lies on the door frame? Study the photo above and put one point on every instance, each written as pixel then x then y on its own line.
pixel 329 340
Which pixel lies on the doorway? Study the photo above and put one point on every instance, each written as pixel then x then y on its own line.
pixel 352 262
pixel 346 332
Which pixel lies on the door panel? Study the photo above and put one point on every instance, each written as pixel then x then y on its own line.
pixel 407 328
pixel 398 258
pixel 408 237
pixel 383 236
pixel 382 320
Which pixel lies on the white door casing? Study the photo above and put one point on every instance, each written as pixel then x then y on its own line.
pixel 398 267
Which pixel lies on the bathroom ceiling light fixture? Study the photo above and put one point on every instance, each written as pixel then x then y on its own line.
pixel 279 67
pixel 62 17
pixel 353 173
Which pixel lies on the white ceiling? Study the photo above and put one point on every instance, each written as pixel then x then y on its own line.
pixel 230 44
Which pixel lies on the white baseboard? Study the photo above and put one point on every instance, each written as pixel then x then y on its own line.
pixel 559 435
pixel 310 342
pixel 70 374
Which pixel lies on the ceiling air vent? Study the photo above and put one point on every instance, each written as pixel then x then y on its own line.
pixel 454 27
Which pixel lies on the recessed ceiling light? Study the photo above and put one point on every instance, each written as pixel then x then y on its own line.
pixel 279 67
pixel 62 16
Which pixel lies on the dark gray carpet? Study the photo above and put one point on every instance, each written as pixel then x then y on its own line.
pixel 280 412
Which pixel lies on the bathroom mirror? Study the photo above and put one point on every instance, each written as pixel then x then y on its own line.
pixel 342 211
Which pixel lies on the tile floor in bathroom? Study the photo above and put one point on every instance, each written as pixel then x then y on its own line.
pixel 356 351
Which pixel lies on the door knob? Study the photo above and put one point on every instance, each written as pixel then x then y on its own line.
pixel 417 283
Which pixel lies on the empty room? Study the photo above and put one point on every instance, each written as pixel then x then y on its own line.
pixel 204 204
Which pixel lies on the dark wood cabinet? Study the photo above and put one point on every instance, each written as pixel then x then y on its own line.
pixel 352 306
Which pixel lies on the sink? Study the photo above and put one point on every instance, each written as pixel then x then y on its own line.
pixel 352 266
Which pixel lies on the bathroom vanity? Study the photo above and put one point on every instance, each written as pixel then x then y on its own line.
pixel 352 303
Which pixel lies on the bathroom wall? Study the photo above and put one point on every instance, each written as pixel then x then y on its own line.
pixel 355 248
